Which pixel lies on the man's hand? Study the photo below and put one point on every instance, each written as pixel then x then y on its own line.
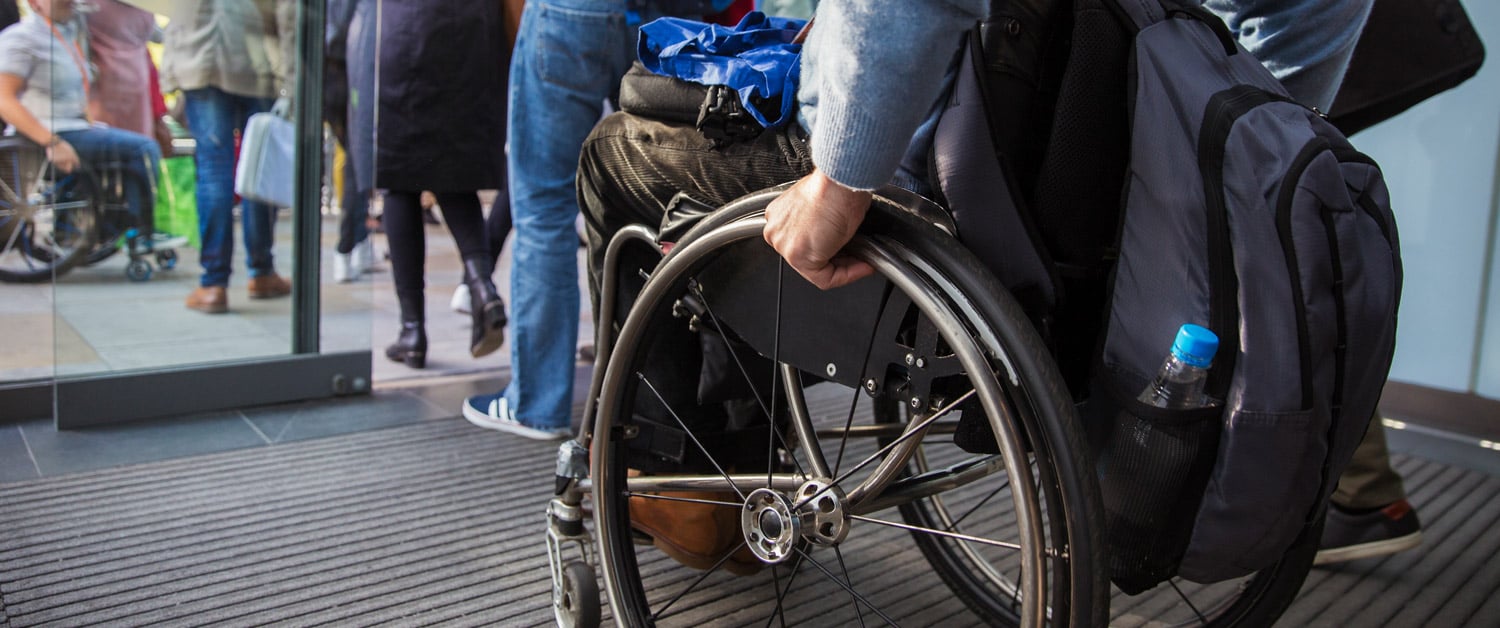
pixel 808 225
pixel 63 156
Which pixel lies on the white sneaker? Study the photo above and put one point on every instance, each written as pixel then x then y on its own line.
pixel 492 412
pixel 461 302
pixel 167 241
pixel 344 270
pixel 364 255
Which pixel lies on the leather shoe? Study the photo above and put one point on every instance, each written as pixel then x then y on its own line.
pixel 209 300
pixel 695 534
pixel 269 287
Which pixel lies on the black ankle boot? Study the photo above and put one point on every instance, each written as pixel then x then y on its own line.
pixel 410 347
pixel 486 308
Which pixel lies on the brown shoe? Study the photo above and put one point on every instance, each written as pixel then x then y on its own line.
pixel 269 287
pixel 695 534
pixel 209 300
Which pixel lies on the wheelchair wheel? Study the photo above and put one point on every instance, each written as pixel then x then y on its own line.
pixel 48 220
pixel 827 519
pixel 1256 600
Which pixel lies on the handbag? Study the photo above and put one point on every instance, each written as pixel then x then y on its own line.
pixel 266 170
pixel 1410 50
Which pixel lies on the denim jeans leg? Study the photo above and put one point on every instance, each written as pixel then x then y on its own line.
pixel 568 57
pixel 136 155
pixel 210 119
pixel 259 219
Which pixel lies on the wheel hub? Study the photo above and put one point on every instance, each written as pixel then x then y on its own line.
pixel 822 513
pixel 771 532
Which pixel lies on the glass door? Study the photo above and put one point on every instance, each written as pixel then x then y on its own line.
pixel 176 261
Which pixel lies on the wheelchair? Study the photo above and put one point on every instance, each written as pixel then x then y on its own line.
pixel 52 222
pixel 863 510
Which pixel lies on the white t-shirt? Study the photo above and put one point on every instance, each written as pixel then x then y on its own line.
pixel 54 82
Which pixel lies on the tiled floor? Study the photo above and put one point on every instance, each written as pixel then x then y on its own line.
pixel 94 320
pixel 35 449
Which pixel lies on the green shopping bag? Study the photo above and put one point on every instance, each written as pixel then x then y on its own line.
pixel 176 201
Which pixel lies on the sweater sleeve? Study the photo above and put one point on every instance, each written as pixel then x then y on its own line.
pixel 872 69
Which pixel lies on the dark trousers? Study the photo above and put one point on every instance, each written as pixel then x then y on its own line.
pixel 631 167
pixel 407 238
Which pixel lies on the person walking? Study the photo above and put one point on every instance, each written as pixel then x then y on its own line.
pixel 230 59
pixel 436 124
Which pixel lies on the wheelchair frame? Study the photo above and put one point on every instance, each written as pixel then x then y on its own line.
pixel 1076 598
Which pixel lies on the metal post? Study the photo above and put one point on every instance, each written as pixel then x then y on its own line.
pixel 307 190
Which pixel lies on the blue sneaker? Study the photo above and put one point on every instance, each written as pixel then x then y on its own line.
pixel 492 412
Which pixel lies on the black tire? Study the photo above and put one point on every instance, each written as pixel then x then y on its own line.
pixel 580 606
pixel 1075 594
pixel 101 252
pixel 1251 602
pixel 48 221
pixel 138 270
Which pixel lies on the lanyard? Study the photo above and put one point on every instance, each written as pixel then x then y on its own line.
pixel 77 55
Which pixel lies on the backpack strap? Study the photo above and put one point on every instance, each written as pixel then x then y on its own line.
pixel 1142 13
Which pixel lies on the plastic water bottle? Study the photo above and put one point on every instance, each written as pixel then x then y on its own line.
pixel 1179 382
pixel 1152 468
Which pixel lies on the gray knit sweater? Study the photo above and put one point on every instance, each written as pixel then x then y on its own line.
pixel 873 74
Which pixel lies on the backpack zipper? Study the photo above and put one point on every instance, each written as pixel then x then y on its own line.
pixel 1223 110
pixel 1284 200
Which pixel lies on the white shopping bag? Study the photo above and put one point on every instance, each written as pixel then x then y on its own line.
pixel 265 172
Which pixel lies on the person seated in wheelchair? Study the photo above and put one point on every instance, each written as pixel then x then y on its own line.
pixel 874 77
pixel 870 84
pixel 44 85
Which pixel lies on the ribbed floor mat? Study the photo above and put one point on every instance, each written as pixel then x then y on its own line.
pixel 440 523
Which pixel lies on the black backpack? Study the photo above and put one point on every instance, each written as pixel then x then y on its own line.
pixel 1147 172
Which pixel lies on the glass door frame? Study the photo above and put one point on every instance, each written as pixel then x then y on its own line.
pixel 303 374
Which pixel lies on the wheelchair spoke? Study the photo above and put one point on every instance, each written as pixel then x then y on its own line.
pixel 838 460
pixel 839 552
pixel 662 613
pixel 975 507
pixel 776 583
pixel 782 591
pixel 854 401
pixel 9 194
pixel 776 436
pixel 943 533
pixel 879 454
pixel 689 432
pixel 775 374
pixel 814 562
pixel 1185 600
pixel 9 245
pixel 689 500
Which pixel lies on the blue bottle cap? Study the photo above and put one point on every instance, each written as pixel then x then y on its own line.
pixel 1195 345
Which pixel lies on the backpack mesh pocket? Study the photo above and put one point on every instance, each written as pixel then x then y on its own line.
pixel 1153 467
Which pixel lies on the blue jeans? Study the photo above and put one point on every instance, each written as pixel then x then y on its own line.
pixel 569 57
pixel 134 154
pixel 213 116
pixel 1307 44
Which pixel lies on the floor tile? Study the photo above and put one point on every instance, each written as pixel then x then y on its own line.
pixel 74 451
pixel 302 421
pixel 15 459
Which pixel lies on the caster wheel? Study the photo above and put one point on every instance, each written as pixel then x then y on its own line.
pixel 579 606
pixel 167 260
pixel 138 270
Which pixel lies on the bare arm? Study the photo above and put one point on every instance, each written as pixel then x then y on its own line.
pixel 59 152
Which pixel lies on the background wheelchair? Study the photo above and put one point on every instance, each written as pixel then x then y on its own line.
pixel 864 509
pixel 52 222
